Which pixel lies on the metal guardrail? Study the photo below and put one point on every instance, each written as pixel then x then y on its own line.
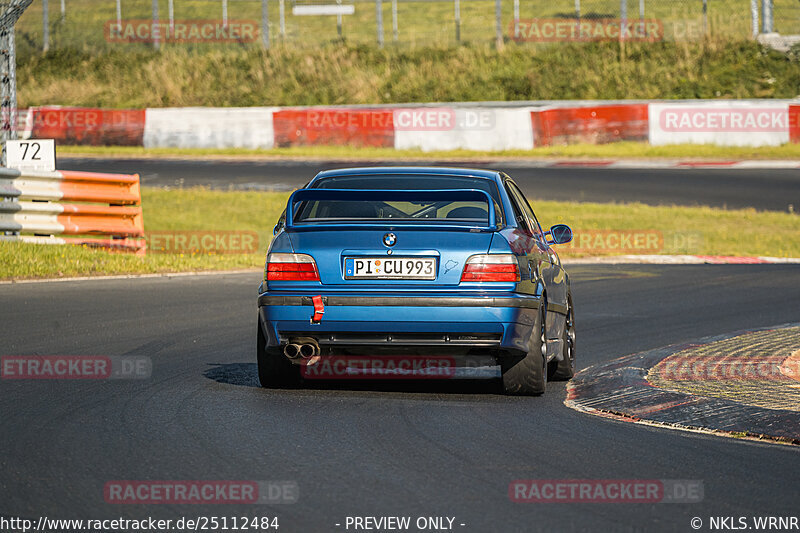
pixel 31 209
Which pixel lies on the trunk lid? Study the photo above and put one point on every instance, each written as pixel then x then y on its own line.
pixel 450 247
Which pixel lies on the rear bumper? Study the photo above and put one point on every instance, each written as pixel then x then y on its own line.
pixel 527 302
pixel 502 322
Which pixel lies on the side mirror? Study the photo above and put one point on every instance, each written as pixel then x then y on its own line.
pixel 558 234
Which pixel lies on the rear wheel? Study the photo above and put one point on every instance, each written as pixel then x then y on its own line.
pixel 527 375
pixel 275 371
pixel 565 369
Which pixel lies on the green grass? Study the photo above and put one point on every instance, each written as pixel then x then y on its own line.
pixel 28 261
pixel 345 74
pixel 712 232
pixel 685 230
pixel 164 211
pixel 627 149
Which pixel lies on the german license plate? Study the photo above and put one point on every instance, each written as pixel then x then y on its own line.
pixel 390 268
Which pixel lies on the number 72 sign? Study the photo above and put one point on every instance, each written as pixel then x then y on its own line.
pixel 33 154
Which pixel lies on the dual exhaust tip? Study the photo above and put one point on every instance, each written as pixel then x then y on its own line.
pixel 301 348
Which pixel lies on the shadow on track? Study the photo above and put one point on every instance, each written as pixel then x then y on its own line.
pixel 246 375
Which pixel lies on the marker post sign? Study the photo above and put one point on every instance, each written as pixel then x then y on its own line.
pixel 326 9
pixel 323 9
pixel 31 154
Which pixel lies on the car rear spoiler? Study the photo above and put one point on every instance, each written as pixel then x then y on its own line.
pixel 351 195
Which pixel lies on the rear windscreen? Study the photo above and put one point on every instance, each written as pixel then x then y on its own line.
pixel 459 211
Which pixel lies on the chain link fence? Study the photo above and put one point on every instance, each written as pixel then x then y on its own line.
pixel 10 11
pixel 98 24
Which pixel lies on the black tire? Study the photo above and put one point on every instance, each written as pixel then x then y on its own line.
pixel 275 371
pixel 527 375
pixel 564 370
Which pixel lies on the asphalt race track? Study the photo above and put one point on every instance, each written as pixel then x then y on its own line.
pixel 430 449
pixel 771 189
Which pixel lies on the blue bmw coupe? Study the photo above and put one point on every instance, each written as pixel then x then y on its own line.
pixel 396 260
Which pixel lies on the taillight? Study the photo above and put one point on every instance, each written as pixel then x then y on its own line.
pixel 291 267
pixel 491 267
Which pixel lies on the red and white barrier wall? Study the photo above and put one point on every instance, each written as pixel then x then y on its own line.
pixel 592 124
pixel 209 127
pixel 309 126
pixel 475 126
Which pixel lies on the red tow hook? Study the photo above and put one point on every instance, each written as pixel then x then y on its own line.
pixel 319 310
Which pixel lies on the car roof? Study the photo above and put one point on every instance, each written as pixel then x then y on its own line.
pixel 426 171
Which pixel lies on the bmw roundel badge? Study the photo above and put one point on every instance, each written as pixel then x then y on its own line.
pixel 389 239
